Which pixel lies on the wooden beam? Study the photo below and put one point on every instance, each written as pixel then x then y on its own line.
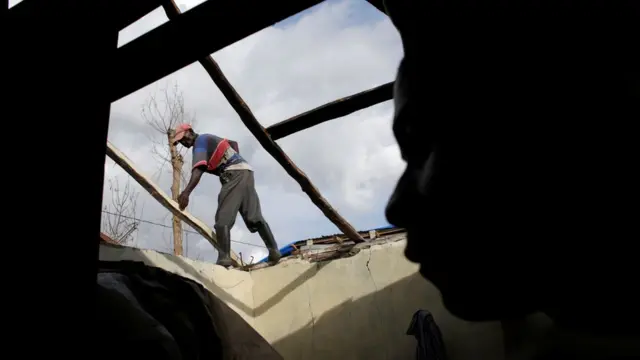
pixel 164 199
pixel 120 13
pixel 126 12
pixel 201 31
pixel 332 110
pixel 263 138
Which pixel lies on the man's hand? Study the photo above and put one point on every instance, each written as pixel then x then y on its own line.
pixel 183 200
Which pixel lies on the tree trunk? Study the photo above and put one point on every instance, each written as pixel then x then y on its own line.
pixel 176 165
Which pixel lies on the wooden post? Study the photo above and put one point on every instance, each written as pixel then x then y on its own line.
pixel 176 168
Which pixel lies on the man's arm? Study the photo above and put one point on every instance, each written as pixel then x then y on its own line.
pixel 196 174
pixel 199 161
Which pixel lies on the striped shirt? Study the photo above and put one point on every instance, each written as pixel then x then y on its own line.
pixel 217 154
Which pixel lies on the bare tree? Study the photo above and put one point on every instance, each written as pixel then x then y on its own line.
pixel 120 218
pixel 163 112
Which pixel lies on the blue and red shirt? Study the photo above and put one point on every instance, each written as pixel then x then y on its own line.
pixel 217 154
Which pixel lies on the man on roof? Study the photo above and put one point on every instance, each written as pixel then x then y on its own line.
pixel 221 157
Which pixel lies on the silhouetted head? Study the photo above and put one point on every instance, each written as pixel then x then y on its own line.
pixel 499 193
pixel 184 135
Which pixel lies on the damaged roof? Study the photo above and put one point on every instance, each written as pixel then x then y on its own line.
pixel 331 247
pixel 178 42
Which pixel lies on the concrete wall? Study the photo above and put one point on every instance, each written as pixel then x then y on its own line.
pixel 353 308
pixel 358 308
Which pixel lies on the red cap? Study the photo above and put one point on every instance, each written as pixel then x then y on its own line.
pixel 180 131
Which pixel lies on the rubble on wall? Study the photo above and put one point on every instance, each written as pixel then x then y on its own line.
pixel 334 246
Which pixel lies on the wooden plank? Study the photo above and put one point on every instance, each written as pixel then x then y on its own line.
pixel 250 121
pixel 126 12
pixel 201 31
pixel 332 110
pixel 165 200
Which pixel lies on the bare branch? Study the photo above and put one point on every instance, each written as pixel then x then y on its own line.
pixel 120 218
pixel 164 112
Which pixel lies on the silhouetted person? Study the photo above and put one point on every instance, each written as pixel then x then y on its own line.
pixel 515 120
pixel 221 157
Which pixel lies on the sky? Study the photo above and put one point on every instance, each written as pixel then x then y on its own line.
pixel 335 49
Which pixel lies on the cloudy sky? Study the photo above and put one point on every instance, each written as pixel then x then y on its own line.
pixel 335 49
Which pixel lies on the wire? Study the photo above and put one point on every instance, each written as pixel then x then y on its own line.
pixel 169 227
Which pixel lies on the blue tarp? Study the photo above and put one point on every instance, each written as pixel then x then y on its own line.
pixel 288 249
pixel 284 251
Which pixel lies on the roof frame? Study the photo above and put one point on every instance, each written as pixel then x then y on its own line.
pixel 172 44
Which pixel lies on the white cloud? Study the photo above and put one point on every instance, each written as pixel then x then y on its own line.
pixel 335 49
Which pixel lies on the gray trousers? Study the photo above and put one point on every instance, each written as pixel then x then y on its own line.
pixel 238 193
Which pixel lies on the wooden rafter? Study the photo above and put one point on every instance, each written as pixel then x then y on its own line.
pixel 125 12
pixel 332 110
pixel 165 200
pixel 120 13
pixel 194 35
pixel 250 121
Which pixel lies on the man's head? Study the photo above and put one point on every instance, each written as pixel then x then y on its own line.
pixel 443 197
pixel 497 184
pixel 184 135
